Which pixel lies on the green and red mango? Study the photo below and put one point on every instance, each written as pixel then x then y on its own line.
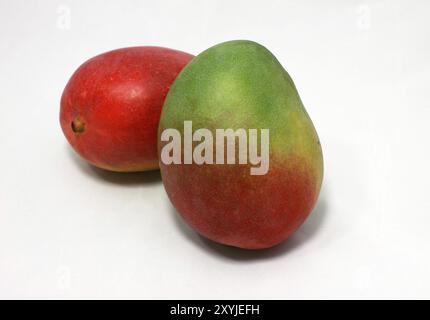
pixel 240 84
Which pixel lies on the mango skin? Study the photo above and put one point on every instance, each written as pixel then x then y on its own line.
pixel 240 84
pixel 111 106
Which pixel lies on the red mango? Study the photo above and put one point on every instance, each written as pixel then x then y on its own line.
pixel 111 106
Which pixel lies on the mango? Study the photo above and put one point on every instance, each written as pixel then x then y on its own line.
pixel 239 85
pixel 111 106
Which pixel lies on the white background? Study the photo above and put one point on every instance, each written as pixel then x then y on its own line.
pixel 362 69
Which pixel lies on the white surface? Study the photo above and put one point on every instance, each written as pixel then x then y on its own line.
pixel 362 69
